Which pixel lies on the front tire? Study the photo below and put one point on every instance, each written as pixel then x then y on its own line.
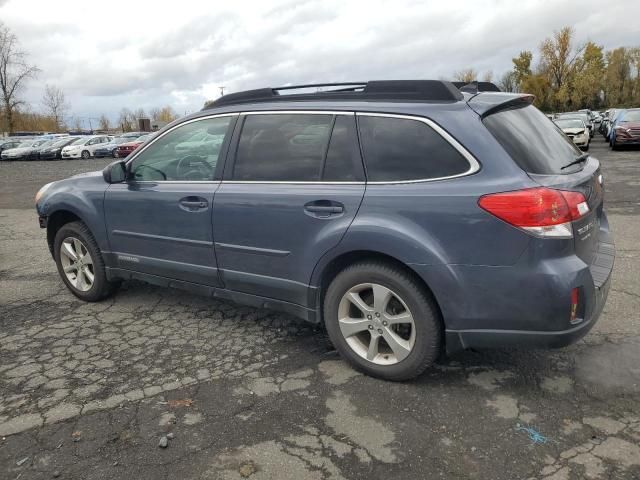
pixel 80 263
pixel 85 155
pixel 382 321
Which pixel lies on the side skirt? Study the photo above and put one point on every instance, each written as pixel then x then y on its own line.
pixel 308 314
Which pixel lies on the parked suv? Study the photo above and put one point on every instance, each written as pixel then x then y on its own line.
pixel 406 216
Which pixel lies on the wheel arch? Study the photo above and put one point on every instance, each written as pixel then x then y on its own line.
pixel 56 221
pixel 324 274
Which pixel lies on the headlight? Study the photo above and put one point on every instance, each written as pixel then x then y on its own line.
pixel 41 191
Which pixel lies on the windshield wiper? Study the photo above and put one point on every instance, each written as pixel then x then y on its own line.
pixel 580 159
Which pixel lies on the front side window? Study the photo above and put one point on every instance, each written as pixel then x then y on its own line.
pixel 400 149
pixel 177 157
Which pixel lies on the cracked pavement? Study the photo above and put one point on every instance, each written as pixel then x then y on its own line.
pixel 88 390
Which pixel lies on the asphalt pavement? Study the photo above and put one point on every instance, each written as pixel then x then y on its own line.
pixel 157 383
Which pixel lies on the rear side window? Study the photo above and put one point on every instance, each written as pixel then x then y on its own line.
pixel 533 141
pixel 398 149
pixel 298 148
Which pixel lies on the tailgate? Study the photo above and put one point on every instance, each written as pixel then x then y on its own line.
pixel 586 230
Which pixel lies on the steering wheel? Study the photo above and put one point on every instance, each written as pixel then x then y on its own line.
pixel 162 174
pixel 193 167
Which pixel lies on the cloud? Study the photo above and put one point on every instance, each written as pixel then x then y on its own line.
pixel 135 55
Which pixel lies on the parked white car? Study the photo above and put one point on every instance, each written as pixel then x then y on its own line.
pixel 575 129
pixel 85 146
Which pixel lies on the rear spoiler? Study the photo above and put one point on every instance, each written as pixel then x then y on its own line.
pixel 476 87
pixel 485 104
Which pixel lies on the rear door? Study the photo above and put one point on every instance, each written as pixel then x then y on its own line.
pixel 159 220
pixel 294 186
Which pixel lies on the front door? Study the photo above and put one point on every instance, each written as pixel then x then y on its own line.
pixel 159 220
pixel 289 195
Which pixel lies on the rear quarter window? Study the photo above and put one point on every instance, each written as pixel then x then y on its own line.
pixel 401 149
pixel 533 141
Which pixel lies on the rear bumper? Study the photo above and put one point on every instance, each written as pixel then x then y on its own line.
pixel 526 304
pixel 462 339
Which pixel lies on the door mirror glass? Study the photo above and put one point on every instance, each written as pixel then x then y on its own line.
pixel 115 172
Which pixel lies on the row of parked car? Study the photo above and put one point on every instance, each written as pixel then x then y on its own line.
pixel 70 146
pixel 619 126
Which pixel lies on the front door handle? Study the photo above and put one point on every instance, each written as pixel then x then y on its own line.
pixel 192 204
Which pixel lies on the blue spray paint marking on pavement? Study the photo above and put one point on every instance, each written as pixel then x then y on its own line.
pixel 535 436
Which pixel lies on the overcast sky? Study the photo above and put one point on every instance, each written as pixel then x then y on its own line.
pixel 108 55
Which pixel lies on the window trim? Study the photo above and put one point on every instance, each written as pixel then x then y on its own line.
pixel 474 165
pixel 158 137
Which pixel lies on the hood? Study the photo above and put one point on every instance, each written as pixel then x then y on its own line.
pixel 97 173
pixel 573 129
pixel 634 124
pixel 130 144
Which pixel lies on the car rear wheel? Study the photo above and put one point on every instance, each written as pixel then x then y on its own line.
pixel 85 154
pixel 382 321
pixel 80 263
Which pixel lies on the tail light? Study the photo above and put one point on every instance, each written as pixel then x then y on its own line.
pixel 543 212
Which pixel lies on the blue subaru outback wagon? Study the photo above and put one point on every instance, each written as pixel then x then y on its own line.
pixel 409 217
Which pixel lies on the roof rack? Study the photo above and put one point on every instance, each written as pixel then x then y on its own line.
pixel 380 90
pixel 476 87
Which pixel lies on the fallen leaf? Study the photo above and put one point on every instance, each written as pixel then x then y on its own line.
pixel 185 402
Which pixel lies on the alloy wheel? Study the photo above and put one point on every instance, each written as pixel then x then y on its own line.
pixel 77 264
pixel 376 323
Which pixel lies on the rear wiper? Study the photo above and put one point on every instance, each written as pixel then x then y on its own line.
pixel 579 159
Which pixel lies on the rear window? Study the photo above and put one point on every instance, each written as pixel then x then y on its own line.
pixel 533 141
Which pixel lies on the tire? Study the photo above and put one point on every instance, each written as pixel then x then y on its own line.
pixel 100 287
pixel 586 149
pixel 86 155
pixel 407 294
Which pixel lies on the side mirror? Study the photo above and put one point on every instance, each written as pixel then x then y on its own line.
pixel 115 172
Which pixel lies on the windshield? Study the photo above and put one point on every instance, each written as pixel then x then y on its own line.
pixel 533 142
pixel 46 144
pixel 119 140
pixel 26 143
pixel 80 141
pixel 631 116
pixel 61 143
pixel 570 123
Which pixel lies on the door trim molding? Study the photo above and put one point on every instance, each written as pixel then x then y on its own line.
pixel 124 233
pixel 252 250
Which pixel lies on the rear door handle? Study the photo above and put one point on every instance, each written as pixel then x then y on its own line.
pixel 323 208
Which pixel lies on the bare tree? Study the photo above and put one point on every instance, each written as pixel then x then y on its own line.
pixel 104 124
pixel 125 121
pixel 467 75
pixel 56 104
pixel 14 71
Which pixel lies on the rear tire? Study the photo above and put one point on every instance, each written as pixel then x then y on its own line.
pixel 80 263
pixel 400 338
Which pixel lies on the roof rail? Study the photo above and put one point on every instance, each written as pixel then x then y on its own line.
pixel 476 87
pixel 379 90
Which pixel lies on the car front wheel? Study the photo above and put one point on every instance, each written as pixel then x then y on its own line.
pixel 85 154
pixel 80 263
pixel 381 320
